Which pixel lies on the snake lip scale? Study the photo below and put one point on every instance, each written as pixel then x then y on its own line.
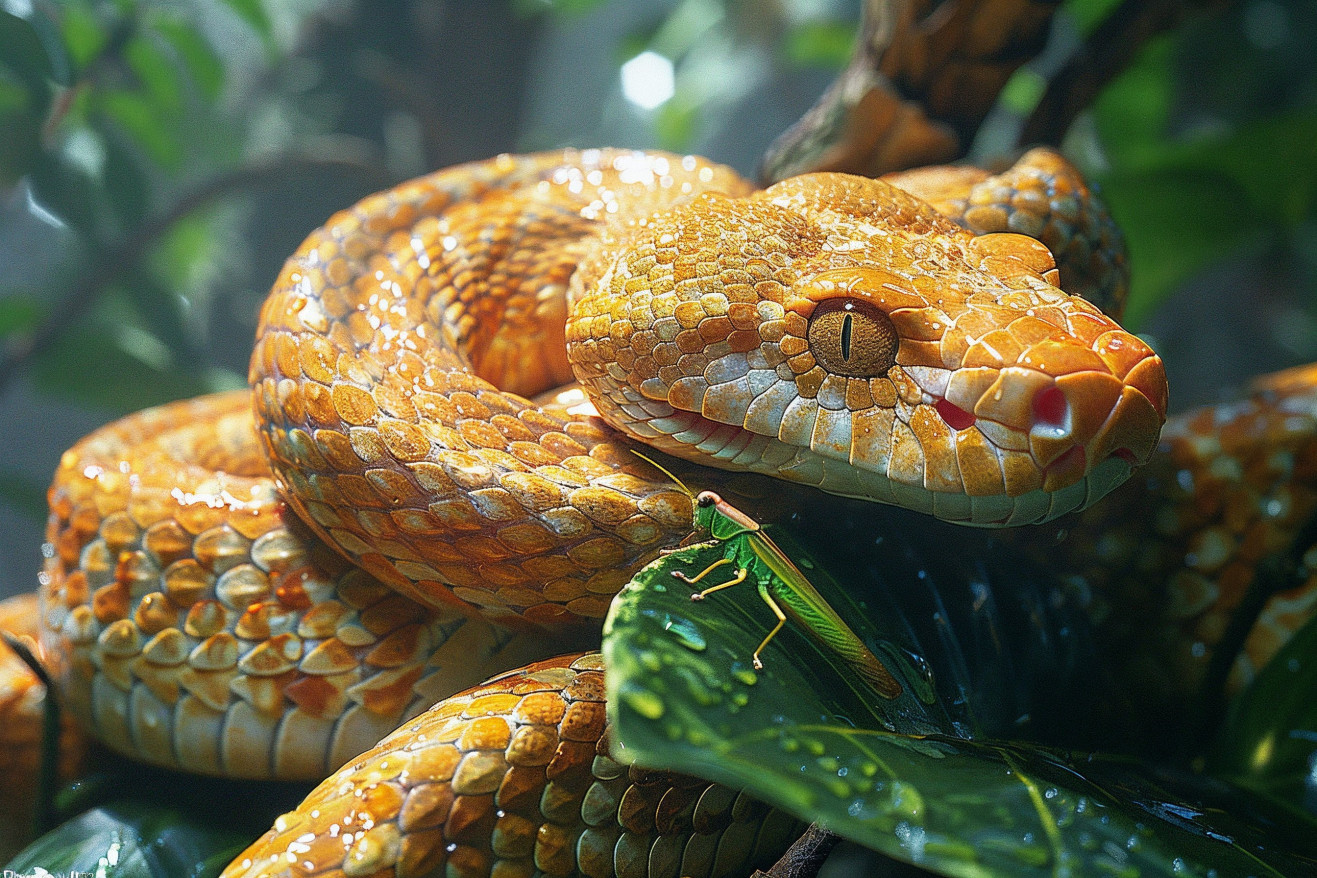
pixel 832 331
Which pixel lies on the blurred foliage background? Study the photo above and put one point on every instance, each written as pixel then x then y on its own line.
pixel 159 159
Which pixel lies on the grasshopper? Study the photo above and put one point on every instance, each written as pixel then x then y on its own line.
pixel 781 585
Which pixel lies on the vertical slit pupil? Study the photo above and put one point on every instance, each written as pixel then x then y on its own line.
pixel 846 322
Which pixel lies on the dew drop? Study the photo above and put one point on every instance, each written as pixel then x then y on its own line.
pixel 686 633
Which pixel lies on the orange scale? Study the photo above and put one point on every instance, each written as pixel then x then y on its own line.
pixel 495 705
pixel 548 615
pixel 286 354
pixel 1057 357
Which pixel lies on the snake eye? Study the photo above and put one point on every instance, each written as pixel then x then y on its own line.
pixel 853 338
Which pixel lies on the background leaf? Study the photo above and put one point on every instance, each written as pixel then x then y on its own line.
pixel 1269 740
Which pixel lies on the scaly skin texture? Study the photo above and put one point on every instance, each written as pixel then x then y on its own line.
pixel 514 778
pixel 200 627
pixel 1004 401
pixel 436 480
pixel 1040 196
pixel 387 403
pixel 396 443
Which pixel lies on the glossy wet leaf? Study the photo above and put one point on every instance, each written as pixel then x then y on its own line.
pixel 141 822
pixel 896 775
pixel 1269 740
pixel 133 840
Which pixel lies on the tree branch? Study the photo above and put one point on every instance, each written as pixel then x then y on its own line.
pixel 1105 53
pixel 805 857
pixel 109 264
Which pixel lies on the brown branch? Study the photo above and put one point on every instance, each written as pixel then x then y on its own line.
pixel 1104 55
pixel 923 76
pixel 48 771
pixel 805 856
pixel 109 264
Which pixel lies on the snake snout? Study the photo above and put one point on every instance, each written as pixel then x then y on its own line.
pixel 1073 413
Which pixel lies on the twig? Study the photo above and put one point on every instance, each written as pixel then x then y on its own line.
pixel 1107 51
pixel 48 773
pixel 109 264
pixel 805 857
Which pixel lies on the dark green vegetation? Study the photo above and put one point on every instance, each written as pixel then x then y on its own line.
pixel 158 160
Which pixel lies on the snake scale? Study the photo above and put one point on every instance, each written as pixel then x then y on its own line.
pixel 836 332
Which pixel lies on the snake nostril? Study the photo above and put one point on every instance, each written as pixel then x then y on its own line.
pixel 1051 408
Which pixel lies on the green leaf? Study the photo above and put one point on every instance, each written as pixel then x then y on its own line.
pixel 19 313
pixel 253 12
pixel 562 7
pixel 156 71
pixel 149 124
pixel 22 52
pixel 66 191
pixel 118 370
pixel 1177 221
pixel 820 44
pixel 675 122
pixel 84 34
pixel 135 841
pixel 1269 740
pixel 20 131
pixel 126 183
pixel 1273 160
pixel 1088 14
pixel 25 96
pixel 682 694
pixel 203 63
pixel 1132 112
pixel 171 825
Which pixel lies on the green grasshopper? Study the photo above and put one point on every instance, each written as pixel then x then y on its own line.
pixel 781 585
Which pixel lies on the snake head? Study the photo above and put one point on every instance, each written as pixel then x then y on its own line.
pixel 835 331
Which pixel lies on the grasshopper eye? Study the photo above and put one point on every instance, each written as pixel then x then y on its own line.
pixel 706 499
pixel 852 338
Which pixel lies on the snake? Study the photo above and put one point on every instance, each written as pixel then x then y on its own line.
pixel 407 501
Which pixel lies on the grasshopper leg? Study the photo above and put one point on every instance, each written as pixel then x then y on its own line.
pixel 781 620
pixel 699 595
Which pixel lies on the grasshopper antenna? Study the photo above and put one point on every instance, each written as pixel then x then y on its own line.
pixel 667 472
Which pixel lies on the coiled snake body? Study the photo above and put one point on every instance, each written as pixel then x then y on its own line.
pixel 832 331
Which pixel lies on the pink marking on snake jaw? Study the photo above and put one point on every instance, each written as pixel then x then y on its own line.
pixel 955 416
